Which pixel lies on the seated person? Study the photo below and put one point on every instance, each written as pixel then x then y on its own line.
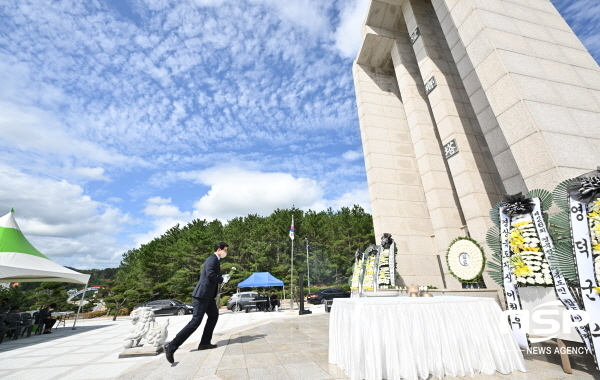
pixel 261 305
pixel 46 318
pixel 4 306
pixel 274 301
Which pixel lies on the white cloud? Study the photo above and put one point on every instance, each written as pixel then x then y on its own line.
pixel 352 155
pixel 162 208
pixel 356 197
pixel 209 3
pixel 308 14
pixel 347 35
pixel 163 216
pixel 31 129
pixel 235 192
pixel 61 221
pixel 97 98
pixel 91 173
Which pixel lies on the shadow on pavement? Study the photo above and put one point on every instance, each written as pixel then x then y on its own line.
pixel 548 351
pixel 65 332
pixel 245 339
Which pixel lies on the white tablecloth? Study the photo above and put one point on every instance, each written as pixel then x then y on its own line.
pixel 411 338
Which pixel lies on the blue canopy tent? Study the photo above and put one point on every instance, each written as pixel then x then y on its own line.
pixel 260 279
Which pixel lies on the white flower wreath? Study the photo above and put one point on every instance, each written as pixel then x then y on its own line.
pixel 465 259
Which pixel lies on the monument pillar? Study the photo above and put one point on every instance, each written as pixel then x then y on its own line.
pixel 443 206
pixel 395 187
pixel 472 168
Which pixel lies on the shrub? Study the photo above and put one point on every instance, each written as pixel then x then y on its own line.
pixel 223 300
pixel 92 314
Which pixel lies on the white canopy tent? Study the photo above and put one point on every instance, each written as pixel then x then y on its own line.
pixel 22 262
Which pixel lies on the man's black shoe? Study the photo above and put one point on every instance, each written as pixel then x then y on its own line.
pixel 169 353
pixel 206 347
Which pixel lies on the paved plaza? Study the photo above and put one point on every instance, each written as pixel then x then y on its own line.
pixel 91 351
pixel 257 345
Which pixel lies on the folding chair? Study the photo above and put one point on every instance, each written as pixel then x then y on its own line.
pixel 3 327
pixel 37 321
pixel 26 324
pixel 14 326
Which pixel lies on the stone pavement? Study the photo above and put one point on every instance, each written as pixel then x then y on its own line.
pixel 91 350
pixel 260 346
pixel 297 349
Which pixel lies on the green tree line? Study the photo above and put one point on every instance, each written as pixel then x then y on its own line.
pixel 170 264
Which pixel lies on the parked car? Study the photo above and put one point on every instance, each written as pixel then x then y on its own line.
pixel 237 301
pixel 326 294
pixel 172 307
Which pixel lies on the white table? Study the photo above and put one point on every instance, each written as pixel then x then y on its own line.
pixel 61 317
pixel 404 337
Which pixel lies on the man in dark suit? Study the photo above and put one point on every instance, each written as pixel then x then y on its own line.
pixel 204 302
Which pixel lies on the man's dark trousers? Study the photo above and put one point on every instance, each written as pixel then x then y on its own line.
pixel 201 306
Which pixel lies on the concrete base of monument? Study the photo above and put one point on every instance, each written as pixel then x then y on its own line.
pixel 492 293
pixel 140 351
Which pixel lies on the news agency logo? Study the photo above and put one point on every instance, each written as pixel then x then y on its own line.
pixel 551 318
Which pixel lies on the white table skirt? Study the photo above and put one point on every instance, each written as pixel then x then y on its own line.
pixel 410 338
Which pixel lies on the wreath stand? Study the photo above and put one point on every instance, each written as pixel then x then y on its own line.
pixel 564 357
pixel 531 296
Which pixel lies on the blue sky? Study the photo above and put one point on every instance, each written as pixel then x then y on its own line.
pixel 120 118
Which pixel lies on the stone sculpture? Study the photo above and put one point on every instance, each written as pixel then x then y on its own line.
pixel 145 327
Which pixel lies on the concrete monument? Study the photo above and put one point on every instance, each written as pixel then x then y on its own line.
pixel 460 101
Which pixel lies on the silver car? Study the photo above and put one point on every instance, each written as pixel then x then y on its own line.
pixel 237 301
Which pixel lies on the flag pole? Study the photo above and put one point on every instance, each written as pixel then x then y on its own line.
pixel 292 261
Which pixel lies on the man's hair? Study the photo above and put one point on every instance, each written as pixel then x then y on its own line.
pixel 221 245
pixel 14 308
pixel 53 305
pixel 5 300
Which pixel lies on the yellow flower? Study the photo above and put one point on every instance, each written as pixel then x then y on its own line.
pixel 596 247
pixel 522 270
pixel 532 249
pixel 593 214
pixel 597 289
pixel 520 224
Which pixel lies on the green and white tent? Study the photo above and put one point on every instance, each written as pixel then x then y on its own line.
pixel 22 262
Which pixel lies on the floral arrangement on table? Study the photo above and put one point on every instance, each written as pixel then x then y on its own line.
pixel 370 267
pixel 357 270
pixel 385 277
pixel 466 260
pixel 528 264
